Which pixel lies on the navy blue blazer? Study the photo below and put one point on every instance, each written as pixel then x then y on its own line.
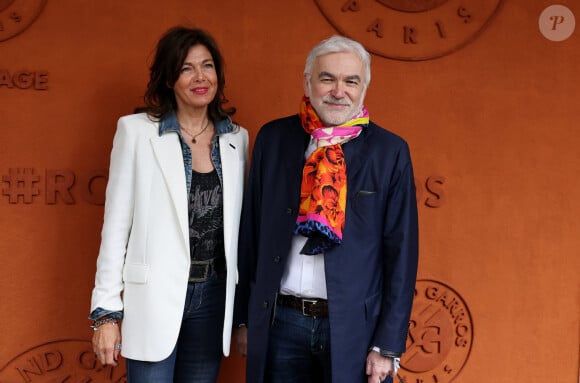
pixel 370 276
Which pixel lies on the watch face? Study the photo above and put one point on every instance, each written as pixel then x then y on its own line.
pixel 17 15
pixel 410 29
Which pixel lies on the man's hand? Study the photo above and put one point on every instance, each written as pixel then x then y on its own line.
pixel 241 340
pixel 379 367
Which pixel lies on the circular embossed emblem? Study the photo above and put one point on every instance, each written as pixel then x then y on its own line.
pixel 557 22
pixel 17 15
pixel 440 335
pixel 60 361
pixel 410 29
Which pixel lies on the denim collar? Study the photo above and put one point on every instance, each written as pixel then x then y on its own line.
pixel 170 124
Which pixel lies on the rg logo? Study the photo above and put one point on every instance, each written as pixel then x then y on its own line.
pixel 440 335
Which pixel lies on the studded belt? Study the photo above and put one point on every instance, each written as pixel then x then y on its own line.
pixel 199 271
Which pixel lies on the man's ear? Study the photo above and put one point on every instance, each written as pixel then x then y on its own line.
pixel 306 84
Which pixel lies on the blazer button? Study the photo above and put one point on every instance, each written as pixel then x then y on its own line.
pixel 277 259
pixel 265 304
pixel 289 211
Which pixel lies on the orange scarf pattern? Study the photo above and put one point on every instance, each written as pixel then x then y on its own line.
pixel 321 215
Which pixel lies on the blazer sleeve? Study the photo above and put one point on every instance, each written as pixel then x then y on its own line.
pixel 400 257
pixel 117 221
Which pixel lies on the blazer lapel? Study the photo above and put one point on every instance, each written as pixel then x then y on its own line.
pixel 231 159
pixel 167 151
pixel 294 159
pixel 354 152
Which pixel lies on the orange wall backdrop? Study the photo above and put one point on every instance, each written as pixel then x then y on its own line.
pixel 493 129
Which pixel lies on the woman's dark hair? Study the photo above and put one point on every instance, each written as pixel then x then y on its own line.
pixel 172 49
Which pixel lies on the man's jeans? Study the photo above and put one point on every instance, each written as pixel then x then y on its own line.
pixel 299 348
pixel 198 353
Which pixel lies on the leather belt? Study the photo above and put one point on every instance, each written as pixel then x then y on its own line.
pixel 199 271
pixel 316 308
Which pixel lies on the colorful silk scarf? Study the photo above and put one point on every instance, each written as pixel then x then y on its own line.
pixel 323 191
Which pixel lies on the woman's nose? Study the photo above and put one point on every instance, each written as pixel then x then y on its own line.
pixel 198 75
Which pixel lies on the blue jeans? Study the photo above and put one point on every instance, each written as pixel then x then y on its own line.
pixel 197 355
pixel 298 349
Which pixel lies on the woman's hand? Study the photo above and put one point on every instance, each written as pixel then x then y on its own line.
pixel 107 343
pixel 241 340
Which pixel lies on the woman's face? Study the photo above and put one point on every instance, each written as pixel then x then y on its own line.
pixel 197 83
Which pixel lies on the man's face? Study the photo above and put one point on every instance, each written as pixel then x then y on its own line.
pixel 336 87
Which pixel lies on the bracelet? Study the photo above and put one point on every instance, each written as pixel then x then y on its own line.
pixel 99 322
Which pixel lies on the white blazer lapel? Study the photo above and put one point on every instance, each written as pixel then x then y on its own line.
pixel 167 151
pixel 231 153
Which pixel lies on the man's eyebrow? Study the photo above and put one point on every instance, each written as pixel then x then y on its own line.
pixel 353 77
pixel 325 74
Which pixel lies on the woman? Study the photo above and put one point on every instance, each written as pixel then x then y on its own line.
pixel 167 262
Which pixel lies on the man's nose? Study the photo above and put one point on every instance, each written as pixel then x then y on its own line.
pixel 338 90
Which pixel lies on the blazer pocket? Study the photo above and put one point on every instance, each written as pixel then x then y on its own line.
pixel 373 306
pixel 136 273
pixel 364 201
pixel 364 193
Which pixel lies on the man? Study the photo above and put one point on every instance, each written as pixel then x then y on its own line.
pixel 328 239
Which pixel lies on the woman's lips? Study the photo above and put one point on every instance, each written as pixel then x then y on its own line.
pixel 200 90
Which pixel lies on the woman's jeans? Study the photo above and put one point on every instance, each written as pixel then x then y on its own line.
pixel 197 356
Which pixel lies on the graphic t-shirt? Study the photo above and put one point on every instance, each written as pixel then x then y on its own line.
pixel 206 236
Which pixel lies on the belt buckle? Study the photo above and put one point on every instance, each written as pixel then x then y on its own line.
pixel 205 273
pixel 312 301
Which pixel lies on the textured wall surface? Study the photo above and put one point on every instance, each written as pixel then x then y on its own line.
pixel 492 123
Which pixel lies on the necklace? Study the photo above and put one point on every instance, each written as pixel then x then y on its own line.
pixel 194 136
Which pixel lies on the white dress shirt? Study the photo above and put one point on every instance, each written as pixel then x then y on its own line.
pixel 304 274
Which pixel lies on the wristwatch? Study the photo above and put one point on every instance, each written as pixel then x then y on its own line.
pixel 389 354
pixel 386 353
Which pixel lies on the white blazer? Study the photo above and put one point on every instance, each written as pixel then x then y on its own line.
pixel 144 258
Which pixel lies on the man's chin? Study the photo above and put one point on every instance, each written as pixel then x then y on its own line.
pixel 335 121
pixel 333 118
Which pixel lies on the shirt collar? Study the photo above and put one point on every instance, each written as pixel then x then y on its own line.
pixel 170 124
